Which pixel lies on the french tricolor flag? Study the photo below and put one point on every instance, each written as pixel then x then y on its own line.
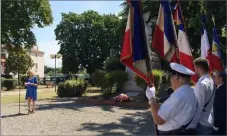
pixel 135 51
pixel 216 53
pixel 205 46
pixel 164 41
pixel 185 53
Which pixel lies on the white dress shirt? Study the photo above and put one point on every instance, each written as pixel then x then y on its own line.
pixel 178 109
pixel 203 91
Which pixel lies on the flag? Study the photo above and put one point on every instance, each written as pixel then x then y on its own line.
pixel 134 51
pixel 185 54
pixel 164 41
pixel 216 53
pixel 205 46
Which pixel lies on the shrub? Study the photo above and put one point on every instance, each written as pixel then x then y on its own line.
pixel 158 74
pixel 109 82
pixel 98 78
pixel 118 77
pixel 38 78
pixel 140 82
pixel 22 79
pixel 71 88
pixel 113 82
pixel 160 82
pixel 113 63
pixel 9 84
pixel 2 81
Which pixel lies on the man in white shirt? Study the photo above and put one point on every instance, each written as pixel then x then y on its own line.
pixel 176 116
pixel 204 91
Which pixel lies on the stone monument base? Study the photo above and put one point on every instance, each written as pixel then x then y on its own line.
pixel 131 85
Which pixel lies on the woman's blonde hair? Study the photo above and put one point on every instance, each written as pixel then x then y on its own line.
pixel 30 72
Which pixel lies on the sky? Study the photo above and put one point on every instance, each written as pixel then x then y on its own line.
pixel 45 36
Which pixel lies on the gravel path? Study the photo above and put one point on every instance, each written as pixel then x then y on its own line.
pixel 69 118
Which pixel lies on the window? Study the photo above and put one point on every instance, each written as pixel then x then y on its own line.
pixel 36 67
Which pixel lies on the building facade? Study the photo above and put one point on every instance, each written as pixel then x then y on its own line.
pixel 38 60
pixel 36 56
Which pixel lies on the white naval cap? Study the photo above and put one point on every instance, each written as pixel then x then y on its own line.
pixel 181 69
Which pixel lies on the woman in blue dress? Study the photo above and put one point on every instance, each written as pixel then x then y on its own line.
pixel 31 92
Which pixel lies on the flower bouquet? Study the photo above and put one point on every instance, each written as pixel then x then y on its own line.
pixel 121 97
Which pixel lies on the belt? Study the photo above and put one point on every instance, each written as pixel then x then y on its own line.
pixel 190 131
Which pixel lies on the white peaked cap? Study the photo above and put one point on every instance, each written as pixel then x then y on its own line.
pixel 181 69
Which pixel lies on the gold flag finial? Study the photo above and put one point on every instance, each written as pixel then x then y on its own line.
pixel 202 6
pixel 213 19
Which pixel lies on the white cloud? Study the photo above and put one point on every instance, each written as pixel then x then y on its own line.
pixel 50 47
pixel 93 5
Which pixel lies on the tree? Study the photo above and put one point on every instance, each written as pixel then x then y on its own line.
pixel 58 70
pixel 192 15
pixel 50 73
pixel 86 40
pixel 18 17
pixel 47 69
pixel 18 59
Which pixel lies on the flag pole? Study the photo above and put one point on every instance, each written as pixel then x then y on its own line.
pixel 219 51
pixel 147 60
pixel 149 74
pixel 176 45
pixel 185 27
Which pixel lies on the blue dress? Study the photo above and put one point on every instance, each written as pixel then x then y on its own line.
pixel 31 90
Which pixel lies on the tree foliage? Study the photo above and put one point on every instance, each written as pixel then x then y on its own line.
pixel 19 16
pixel 192 15
pixel 50 71
pixel 18 60
pixel 86 40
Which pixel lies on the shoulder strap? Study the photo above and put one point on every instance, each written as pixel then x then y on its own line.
pixel 204 108
pixel 185 126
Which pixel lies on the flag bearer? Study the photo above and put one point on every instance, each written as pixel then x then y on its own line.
pixel 204 91
pixel 177 115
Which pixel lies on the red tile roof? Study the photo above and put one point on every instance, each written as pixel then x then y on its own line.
pixel 33 50
pixel 36 51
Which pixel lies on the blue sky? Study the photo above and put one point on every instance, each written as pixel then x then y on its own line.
pixel 46 37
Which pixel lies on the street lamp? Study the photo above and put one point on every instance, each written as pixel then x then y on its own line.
pixel 55 56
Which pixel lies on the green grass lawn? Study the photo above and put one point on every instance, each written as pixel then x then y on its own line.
pixel 15 98
pixel 47 94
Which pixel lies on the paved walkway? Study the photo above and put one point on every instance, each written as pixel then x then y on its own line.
pixel 69 118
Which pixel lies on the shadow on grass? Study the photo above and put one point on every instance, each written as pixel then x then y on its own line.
pixel 69 103
pixel 72 105
pixel 139 123
pixel 13 115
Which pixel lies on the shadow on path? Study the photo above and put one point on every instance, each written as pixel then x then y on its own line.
pixel 13 115
pixel 139 123
pixel 76 106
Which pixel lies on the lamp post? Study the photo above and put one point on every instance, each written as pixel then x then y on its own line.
pixel 55 57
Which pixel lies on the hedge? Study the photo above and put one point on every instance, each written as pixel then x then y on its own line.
pixel 161 82
pixel 9 84
pixel 71 88
pixel 111 82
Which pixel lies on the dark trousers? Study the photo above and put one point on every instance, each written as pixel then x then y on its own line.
pixel 178 132
pixel 220 131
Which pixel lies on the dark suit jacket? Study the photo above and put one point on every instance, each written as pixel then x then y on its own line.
pixel 219 109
